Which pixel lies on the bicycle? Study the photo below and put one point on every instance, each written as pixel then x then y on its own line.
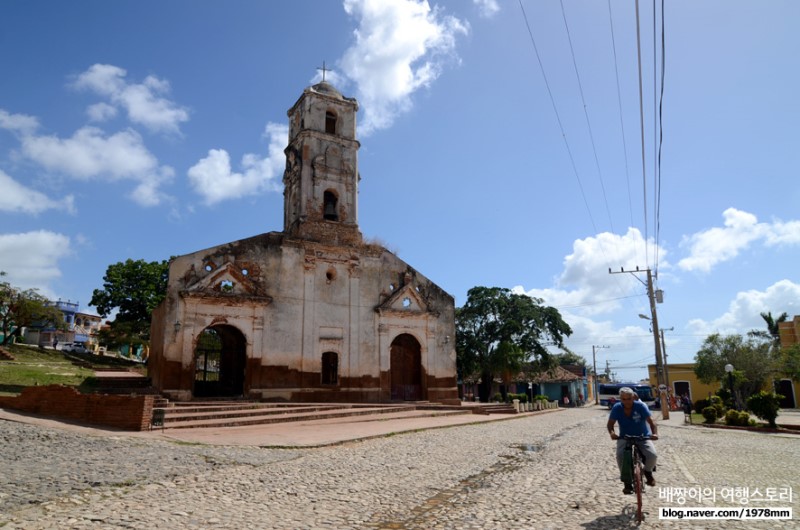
pixel 633 469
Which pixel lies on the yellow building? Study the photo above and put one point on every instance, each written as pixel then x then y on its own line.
pixel 682 380
pixel 789 332
pixel 790 335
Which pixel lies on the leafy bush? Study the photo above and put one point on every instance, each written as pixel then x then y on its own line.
pixel 498 397
pixel 700 404
pixel 727 398
pixel 523 398
pixel 541 397
pixel 717 403
pixel 710 414
pixel 735 417
pixel 765 405
pixel 744 418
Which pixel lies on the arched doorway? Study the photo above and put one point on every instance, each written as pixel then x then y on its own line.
pixel 785 388
pixel 405 368
pixel 219 362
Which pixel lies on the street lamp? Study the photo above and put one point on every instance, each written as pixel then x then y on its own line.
pixel 729 369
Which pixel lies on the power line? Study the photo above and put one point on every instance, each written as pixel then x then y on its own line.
pixel 564 135
pixel 586 115
pixel 660 137
pixel 641 123
pixel 558 117
pixel 621 120
pixel 600 301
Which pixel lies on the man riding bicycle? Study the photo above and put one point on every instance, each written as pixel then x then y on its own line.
pixel 634 419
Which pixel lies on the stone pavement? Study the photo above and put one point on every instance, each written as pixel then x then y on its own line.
pixel 310 433
pixel 547 471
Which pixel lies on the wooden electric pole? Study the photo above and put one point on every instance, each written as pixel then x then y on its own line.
pixel 660 377
pixel 594 363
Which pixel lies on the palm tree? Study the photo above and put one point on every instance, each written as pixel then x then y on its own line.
pixel 773 325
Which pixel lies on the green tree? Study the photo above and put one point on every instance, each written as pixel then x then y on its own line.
pixel 24 308
pixel 569 357
pixel 134 289
pixel 497 331
pixel 751 357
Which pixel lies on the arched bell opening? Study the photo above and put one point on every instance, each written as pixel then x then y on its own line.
pixel 330 210
pixel 330 122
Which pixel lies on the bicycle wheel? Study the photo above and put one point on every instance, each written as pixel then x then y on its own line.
pixel 637 484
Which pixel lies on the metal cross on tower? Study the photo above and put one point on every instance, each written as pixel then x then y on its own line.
pixel 323 71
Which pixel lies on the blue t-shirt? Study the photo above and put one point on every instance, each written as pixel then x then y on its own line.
pixel 636 423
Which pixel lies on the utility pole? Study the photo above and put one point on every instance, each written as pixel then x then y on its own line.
pixel 594 363
pixel 608 368
pixel 662 384
pixel 664 349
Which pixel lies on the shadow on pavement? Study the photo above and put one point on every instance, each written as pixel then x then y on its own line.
pixel 627 519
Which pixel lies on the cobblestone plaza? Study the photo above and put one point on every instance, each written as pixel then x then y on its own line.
pixel 550 471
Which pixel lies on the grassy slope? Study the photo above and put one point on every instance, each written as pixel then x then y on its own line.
pixel 34 366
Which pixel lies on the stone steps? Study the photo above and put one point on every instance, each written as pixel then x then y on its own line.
pixel 500 408
pixel 118 380
pixel 181 414
pixel 215 414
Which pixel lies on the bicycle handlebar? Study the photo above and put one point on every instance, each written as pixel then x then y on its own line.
pixel 636 437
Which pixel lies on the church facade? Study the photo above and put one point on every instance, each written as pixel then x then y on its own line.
pixel 313 313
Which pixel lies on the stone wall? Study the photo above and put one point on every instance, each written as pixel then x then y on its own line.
pixel 130 413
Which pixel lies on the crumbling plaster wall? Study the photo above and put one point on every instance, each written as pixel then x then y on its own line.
pixel 298 300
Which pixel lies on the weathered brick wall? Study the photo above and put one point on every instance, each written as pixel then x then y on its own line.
pixel 131 413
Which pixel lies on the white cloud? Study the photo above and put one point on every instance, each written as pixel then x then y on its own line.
pixel 19 123
pixel 143 102
pixel 400 47
pixel 716 245
pixel 740 231
pixel 744 311
pixel 17 198
pixel 780 233
pixel 147 193
pixel 213 178
pixel 487 8
pixel 585 283
pixel 31 259
pixel 89 154
pixel 101 112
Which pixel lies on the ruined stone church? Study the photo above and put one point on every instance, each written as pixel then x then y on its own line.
pixel 313 313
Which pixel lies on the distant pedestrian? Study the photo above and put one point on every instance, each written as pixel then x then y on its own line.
pixel 566 401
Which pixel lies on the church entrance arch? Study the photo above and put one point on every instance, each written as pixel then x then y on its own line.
pixel 405 368
pixel 219 362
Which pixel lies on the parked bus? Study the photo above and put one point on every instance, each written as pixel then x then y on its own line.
pixel 608 393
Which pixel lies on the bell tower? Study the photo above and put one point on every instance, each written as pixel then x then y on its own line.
pixel 321 176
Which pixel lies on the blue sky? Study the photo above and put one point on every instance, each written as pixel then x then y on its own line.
pixel 491 155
